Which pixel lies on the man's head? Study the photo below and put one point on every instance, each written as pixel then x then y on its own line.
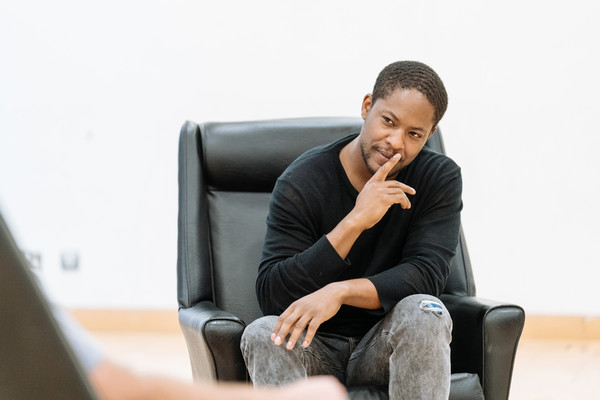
pixel 407 102
pixel 413 75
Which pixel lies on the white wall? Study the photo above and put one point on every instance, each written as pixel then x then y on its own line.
pixel 92 96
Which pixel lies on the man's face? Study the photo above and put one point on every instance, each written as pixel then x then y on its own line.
pixel 399 123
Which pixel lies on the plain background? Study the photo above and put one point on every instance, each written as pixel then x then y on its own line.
pixel 93 94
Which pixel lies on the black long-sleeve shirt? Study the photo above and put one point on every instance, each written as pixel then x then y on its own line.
pixel 406 252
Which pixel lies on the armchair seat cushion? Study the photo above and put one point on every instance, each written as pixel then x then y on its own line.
pixel 465 386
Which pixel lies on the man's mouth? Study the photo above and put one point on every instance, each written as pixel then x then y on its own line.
pixel 385 154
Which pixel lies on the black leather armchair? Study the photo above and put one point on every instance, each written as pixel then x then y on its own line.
pixel 226 174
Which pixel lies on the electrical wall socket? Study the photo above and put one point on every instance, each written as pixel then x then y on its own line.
pixel 34 258
pixel 69 260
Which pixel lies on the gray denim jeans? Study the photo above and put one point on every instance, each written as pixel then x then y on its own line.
pixel 406 355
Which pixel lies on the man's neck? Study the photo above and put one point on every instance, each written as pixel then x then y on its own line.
pixel 352 161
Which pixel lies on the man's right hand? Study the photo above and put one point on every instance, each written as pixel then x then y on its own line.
pixel 373 201
pixel 378 195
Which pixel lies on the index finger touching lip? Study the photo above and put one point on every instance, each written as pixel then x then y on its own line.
pixel 385 169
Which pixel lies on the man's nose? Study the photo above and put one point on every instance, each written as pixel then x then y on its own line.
pixel 396 140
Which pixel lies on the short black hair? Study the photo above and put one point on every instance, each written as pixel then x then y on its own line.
pixel 413 75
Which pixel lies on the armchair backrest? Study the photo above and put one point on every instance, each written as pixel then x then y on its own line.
pixel 226 174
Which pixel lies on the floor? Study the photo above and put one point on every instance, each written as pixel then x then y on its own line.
pixel 544 369
pixel 556 369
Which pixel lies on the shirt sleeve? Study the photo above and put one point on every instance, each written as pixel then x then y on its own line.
pixel 431 242
pixel 86 349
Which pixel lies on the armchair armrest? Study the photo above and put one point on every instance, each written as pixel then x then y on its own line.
pixel 209 331
pixel 484 340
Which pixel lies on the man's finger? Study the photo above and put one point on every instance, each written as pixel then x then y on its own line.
pixel 282 327
pixel 385 169
pixel 310 332
pixel 277 327
pixel 403 201
pixel 295 334
pixel 396 193
pixel 397 185
pixel 407 189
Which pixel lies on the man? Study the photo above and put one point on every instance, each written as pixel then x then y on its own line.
pixel 360 235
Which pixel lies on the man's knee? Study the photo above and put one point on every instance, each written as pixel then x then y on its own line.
pixel 258 331
pixel 422 313
pixel 267 363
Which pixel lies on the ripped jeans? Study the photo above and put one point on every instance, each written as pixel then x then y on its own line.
pixel 406 355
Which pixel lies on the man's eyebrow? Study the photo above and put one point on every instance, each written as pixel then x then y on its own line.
pixel 414 128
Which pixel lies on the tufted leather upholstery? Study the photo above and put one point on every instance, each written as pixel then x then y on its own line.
pixel 226 174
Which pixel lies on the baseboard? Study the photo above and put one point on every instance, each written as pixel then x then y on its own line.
pixel 536 326
pixel 159 321
pixel 562 327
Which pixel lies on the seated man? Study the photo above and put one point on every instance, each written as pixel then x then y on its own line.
pixel 360 234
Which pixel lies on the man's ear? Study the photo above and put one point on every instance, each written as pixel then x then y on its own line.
pixel 367 103
pixel 432 132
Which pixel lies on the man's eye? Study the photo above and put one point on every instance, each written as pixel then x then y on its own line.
pixel 387 120
pixel 416 135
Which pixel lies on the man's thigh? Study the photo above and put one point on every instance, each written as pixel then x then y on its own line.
pixel 368 364
pixel 269 364
pixel 402 329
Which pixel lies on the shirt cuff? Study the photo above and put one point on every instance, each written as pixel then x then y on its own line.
pixel 324 263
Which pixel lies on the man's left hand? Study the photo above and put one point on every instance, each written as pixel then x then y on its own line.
pixel 308 312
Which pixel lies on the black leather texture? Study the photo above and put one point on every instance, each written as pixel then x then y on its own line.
pixel 226 174
pixel 484 340
pixel 465 386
